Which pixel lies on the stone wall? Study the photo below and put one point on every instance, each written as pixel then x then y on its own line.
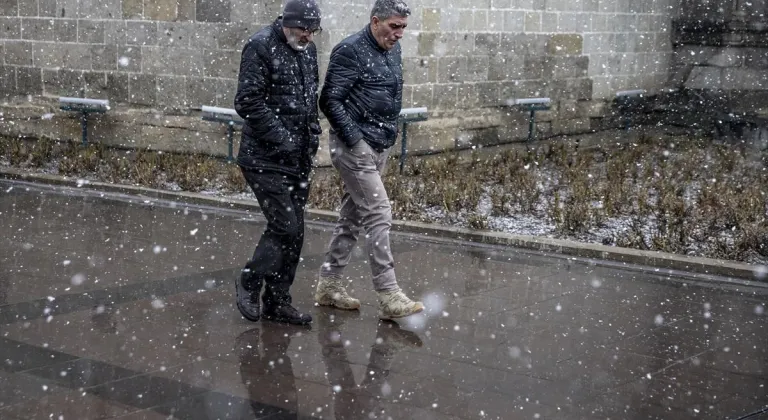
pixel 159 60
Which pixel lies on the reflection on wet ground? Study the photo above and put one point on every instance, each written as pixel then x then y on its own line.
pixel 112 308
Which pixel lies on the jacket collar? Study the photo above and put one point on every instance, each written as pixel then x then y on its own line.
pixel 369 37
pixel 277 28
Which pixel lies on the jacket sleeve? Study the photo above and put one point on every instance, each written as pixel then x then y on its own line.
pixel 339 79
pixel 250 101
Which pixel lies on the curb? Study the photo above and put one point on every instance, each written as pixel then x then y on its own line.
pixel 660 260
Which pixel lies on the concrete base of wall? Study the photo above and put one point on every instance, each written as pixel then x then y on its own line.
pixel 186 132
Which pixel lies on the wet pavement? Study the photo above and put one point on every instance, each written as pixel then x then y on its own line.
pixel 116 307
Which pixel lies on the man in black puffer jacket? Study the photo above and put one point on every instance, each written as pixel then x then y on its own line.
pixel 277 98
pixel 362 97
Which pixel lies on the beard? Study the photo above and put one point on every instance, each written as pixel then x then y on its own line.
pixel 296 43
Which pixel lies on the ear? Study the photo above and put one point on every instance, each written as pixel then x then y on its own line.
pixel 375 22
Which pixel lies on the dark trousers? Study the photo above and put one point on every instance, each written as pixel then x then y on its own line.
pixel 282 199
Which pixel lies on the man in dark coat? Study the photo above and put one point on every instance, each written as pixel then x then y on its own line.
pixel 277 98
pixel 361 98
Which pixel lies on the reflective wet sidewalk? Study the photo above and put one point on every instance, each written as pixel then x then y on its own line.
pixel 112 308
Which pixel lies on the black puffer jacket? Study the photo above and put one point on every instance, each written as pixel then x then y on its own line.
pixel 363 91
pixel 277 98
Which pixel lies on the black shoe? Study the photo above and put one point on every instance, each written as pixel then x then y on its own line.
pixel 247 302
pixel 286 314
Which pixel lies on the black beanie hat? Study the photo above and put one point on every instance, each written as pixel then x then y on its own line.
pixel 301 14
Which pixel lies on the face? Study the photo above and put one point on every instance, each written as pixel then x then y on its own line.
pixel 299 38
pixel 388 32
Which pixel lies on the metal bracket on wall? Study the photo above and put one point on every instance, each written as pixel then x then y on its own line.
pixel 226 116
pixel 84 106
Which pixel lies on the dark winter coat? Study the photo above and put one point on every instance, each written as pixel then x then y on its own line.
pixel 277 98
pixel 363 91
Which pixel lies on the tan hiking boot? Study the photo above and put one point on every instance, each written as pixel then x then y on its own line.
pixel 331 292
pixel 395 304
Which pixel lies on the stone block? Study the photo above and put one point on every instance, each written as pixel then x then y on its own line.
pixel 29 81
pixel 477 69
pixel 233 36
pixel 95 84
pixel 568 67
pixel 200 91
pixel 67 8
pixel 38 29
pixel 549 22
pixel 26 7
pixel 514 21
pixel 7 81
pixel 422 95
pixel 430 19
pixel 536 67
pixel 602 23
pixel 65 30
pixel 142 88
pixel 46 8
pixel 574 22
pixel 185 10
pixel 662 42
pixel 9 7
pixel 452 69
pixel 488 94
pixel 756 58
pixel 90 31
pixel 431 135
pixel 172 61
pixel 220 63
pixel 213 10
pixel 501 4
pixel 479 20
pixel 420 70
pixel 129 58
pixel 164 10
pixel 556 5
pixel 407 96
pixel 171 92
pixel 118 87
pixel 132 9
pixel 567 109
pixel 574 126
pixel 63 82
pixel 743 78
pixel 504 67
pixel 532 22
pixel 176 34
pixel 570 89
pixel 99 9
pixel 565 44
pixel 115 33
pixel 141 33
pixel 495 21
pixel 67 56
pixel 225 92
pixel 427 41
pixel 205 35
pixel 590 5
pixel 467 96
pixel 726 57
pixel 705 78
pixel 487 44
pixel 455 20
pixel 524 44
pixel 602 87
pixel 104 57
pixel 18 53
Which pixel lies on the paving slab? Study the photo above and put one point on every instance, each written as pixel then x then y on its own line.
pixel 115 306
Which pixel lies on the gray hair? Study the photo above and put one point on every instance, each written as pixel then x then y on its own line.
pixel 385 9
